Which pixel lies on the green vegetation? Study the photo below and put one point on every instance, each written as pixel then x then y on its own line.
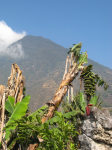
pixel 57 133
pixel 91 80
pixel 61 131
pixel 18 111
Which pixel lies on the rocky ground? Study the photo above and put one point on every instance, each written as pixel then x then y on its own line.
pixel 97 131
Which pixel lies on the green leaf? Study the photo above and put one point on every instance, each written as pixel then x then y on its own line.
pixel 94 100
pixel 71 114
pixel 54 120
pixel 18 113
pixel 82 102
pixel 83 58
pixel 13 142
pixel 9 104
pixel 38 112
pixel 76 48
pixel 16 104
pixel 0 145
pixel 76 51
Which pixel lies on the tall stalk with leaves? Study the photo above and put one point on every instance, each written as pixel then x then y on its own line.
pixel 91 80
pixel 79 59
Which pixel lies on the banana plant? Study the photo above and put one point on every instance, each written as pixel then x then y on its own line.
pixel 79 60
pixel 91 80
pixel 17 112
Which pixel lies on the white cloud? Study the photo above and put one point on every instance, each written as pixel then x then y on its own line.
pixel 8 37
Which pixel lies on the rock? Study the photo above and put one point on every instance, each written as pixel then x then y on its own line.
pixel 90 144
pixel 103 117
pixel 97 131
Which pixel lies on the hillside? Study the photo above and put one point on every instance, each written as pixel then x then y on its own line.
pixel 43 66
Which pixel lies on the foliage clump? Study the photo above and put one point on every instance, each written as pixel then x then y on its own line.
pixel 57 133
pixel 61 131
pixel 91 80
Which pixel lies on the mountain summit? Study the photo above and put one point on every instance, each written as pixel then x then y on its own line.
pixel 43 63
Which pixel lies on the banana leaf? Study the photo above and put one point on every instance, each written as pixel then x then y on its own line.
pixel 9 104
pixel 18 113
pixel 83 58
pixel 94 100
pixel 82 102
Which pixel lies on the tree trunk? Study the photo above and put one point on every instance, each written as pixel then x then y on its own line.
pixel 2 117
pixel 61 92
pixel 16 83
pixel 15 89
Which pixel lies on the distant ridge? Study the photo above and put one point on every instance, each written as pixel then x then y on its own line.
pixel 43 66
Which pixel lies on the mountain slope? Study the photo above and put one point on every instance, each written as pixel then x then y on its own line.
pixel 43 67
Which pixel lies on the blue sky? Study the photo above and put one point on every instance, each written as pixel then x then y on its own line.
pixel 65 22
